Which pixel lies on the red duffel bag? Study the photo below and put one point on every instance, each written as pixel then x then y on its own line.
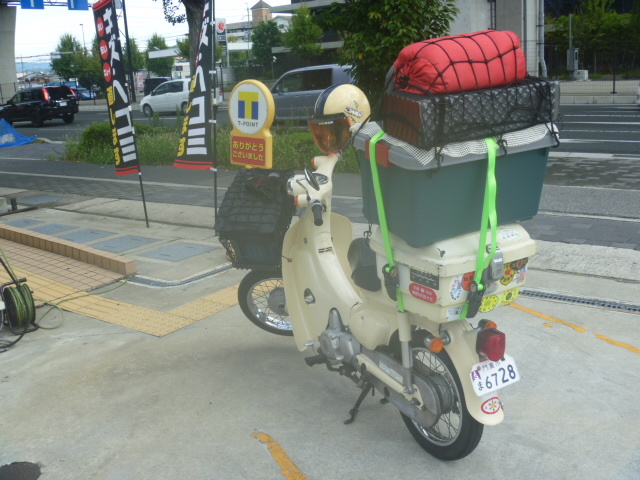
pixel 458 63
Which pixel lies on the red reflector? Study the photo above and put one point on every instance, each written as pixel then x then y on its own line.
pixel 46 95
pixel 491 343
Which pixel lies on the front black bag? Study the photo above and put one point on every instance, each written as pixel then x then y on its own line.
pixel 254 216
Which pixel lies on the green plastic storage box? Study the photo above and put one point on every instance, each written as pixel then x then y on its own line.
pixel 428 203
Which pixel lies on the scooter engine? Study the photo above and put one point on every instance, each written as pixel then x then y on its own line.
pixel 336 343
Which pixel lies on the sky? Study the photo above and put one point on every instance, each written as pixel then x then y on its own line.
pixel 38 31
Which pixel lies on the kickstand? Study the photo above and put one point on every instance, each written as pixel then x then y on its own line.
pixel 365 391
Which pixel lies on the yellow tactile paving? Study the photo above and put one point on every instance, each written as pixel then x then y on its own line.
pixel 198 310
pixel 228 296
pixel 64 281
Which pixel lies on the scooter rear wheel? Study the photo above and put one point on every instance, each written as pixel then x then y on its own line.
pixel 456 433
pixel 261 298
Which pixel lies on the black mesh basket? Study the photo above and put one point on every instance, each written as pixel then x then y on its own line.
pixel 254 216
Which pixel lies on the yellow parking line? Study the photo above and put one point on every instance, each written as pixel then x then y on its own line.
pixel 289 470
pixel 576 328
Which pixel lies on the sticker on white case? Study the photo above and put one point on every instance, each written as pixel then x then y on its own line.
pixel 508 234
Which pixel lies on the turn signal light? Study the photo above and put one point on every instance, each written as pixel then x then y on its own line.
pixel 491 343
pixel 487 324
pixel 436 345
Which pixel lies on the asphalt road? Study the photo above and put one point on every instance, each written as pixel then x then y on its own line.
pixel 57 130
pixel 610 129
pixel 613 129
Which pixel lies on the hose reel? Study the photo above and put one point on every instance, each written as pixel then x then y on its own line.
pixel 20 310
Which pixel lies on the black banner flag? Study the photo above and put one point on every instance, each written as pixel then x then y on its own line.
pixel 194 150
pixel 124 140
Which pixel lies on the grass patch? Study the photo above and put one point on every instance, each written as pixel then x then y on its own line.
pixel 293 146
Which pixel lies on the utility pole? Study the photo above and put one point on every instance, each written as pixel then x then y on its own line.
pixel 84 45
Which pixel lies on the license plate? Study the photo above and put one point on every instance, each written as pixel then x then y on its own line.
pixel 489 376
pixel 63 104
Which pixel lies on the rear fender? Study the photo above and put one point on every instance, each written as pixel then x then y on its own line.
pixel 462 351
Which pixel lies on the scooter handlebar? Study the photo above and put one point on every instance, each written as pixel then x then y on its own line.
pixel 316 208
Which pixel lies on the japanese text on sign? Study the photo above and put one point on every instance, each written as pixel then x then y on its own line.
pixel 248 150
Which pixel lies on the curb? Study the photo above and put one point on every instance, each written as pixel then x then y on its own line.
pixel 82 253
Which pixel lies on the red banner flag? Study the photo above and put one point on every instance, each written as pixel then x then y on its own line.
pixel 123 133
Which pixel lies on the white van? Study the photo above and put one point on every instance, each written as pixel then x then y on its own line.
pixel 167 97
pixel 295 93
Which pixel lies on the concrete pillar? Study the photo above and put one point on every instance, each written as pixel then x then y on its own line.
pixel 474 16
pixel 8 80
pixel 520 17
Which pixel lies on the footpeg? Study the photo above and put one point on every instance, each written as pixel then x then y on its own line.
pixel 316 360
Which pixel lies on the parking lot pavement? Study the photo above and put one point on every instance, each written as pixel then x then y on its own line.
pixel 95 400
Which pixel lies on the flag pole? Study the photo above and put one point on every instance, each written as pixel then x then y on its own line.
pixel 144 202
pixel 132 97
pixel 215 109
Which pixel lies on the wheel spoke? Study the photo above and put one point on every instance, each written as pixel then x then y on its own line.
pixel 447 428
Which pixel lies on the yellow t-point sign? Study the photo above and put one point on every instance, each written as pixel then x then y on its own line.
pixel 252 111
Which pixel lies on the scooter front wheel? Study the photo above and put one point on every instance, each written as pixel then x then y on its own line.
pixel 456 433
pixel 261 298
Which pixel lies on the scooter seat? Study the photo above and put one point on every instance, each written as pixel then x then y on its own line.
pixel 362 260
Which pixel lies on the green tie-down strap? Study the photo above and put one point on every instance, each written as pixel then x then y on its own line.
pixel 382 218
pixel 489 217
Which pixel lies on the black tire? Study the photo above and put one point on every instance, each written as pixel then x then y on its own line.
pixel 456 433
pixel 147 110
pixel 68 118
pixel 183 108
pixel 261 298
pixel 36 120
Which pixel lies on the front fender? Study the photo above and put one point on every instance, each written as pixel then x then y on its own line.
pixel 462 352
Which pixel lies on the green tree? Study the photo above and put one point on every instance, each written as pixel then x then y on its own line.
pixel 89 67
pixel 374 33
pixel 238 59
pixel 304 35
pixel 64 64
pixel 184 48
pixel 192 15
pixel 161 66
pixel 264 37
pixel 137 57
pixel 606 40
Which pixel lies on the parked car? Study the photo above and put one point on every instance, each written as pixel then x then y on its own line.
pixel 167 97
pixel 295 93
pixel 37 104
pixel 638 96
pixel 84 94
pixel 149 84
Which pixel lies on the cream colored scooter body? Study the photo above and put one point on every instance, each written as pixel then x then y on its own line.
pixel 316 279
pixel 313 277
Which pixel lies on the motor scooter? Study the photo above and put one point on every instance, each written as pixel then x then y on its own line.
pixel 428 366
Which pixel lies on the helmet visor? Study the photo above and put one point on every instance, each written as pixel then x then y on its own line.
pixel 331 132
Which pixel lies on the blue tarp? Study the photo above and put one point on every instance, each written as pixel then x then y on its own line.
pixel 9 137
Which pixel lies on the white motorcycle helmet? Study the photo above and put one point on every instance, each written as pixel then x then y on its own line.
pixel 337 109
